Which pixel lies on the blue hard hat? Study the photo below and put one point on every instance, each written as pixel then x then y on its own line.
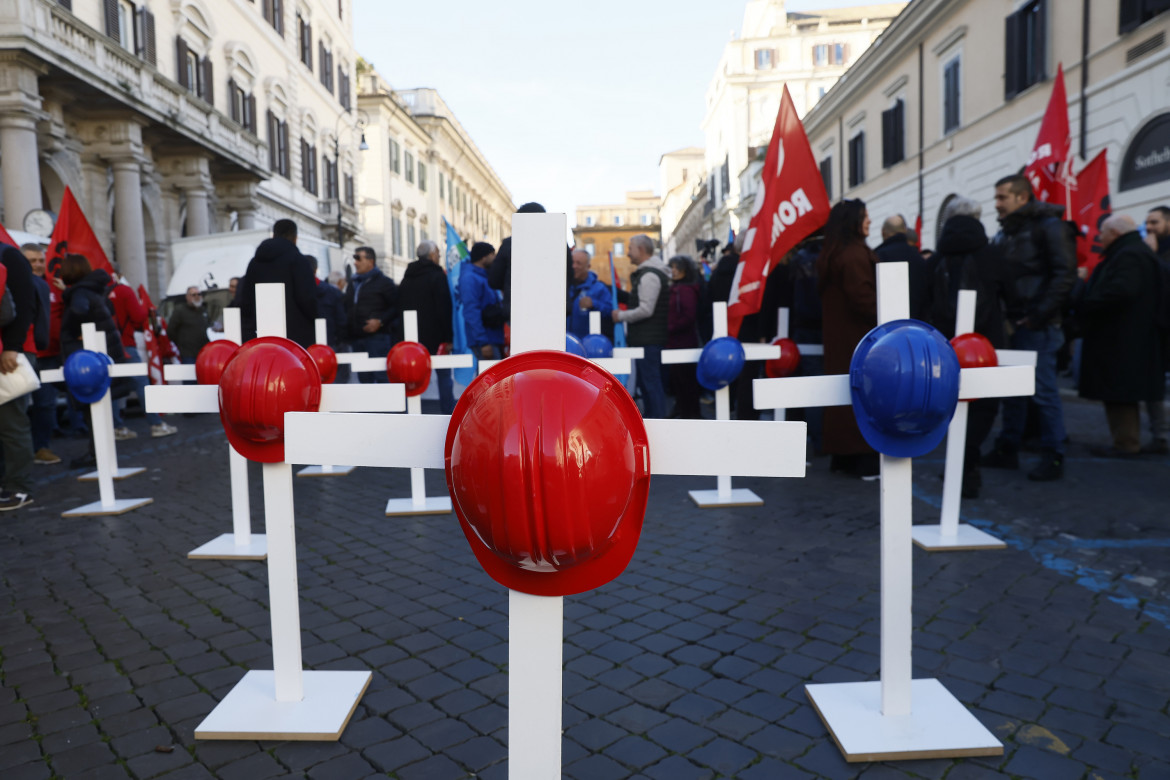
pixel 720 363
pixel 87 375
pixel 574 346
pixel 904 382
pixel 597 346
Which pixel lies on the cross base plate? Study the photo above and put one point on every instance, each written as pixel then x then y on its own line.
pixel 120 507
pixel 930 537
pixel 324 471
pixel 404 507
pixel 939 726
pixel 118 475
pixel 251 711
pixel 224 548
pixel 710 499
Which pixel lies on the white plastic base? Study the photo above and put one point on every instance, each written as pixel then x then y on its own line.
pixel 324 471
pixel 120 507
pixel 118 475
pixel 251 711
pixel 710 499
pixel 930 537
pixel 224 548
pixel 434 505
pixel 939 726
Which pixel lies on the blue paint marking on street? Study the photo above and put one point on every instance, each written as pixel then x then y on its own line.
pixel 1051 554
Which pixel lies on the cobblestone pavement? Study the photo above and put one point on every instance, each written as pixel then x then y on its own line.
pixel 691 665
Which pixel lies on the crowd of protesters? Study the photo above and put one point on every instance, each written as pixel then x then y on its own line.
pixel 1108 329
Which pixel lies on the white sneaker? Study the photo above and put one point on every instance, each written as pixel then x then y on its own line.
pixel 162 429
pixel 123 433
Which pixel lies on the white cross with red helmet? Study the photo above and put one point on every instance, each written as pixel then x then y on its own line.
pixel 682 447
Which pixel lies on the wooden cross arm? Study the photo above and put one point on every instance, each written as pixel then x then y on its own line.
pixel 742 447
pixel 633 353
pixel 1016 357
pixel 116 370
pixel 204 399
pixel 52 375
pixel 750 352
pixel 179 372
pixel 452 361
pixel 345 358
pixel 745 448
pixel 614 365
pixel 997 382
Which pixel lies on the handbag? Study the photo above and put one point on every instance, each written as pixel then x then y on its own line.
pixel 20 382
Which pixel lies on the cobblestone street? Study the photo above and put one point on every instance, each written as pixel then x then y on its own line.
pixel 692 664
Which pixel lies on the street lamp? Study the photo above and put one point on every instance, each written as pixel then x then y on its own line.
pixel 360 125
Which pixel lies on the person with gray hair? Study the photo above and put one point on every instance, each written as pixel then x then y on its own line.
pixel 424 289
pixel 961 206
pixel 649 304
pixel 896 248
pixel 1121 351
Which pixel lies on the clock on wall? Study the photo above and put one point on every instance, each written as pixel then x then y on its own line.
pixel 39 222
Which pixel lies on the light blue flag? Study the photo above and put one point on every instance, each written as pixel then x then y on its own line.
pixel 456 255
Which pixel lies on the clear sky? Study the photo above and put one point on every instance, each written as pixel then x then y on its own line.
pixel 571 103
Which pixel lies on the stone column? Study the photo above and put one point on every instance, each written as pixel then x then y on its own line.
pixel 247 218
pixel 129 231
pixel 20 173
pixel 198 217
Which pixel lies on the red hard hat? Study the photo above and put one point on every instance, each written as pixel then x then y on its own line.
pixel 267 377
pixel 326 360
pixel 787 363
pixel 409 363
pixel 974 351
pixel 548 464
pixel 212 360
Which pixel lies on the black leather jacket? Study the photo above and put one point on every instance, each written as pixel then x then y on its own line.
pixel 1041 260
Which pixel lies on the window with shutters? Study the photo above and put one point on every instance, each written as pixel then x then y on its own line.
pixel 305 37
pixel 1134 13
pixel 395 157
pixel 411 243
pixel 619 249
pixel 66 4
pixel 195 73
pixel 617 220
pixel 349 192
pixel 278 155
pixel 725 177
pixel 326 65
pixel 442 186
pixel 242 106
pixel 1025 48
pixel 396 236
pixel 273 11
pixel 343 95
pixel 126 13
pixel 952 94
pixel 409 165
pixel 330 167
pixel 422 175
pixel 857 160
pixel 827 176
pixel 309 166
pixel 894 134
pixel 765 59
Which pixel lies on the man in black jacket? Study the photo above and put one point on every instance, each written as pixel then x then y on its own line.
pixel 371 310
pixel 896 248
pixel 15 430
pixel 1042 263
pixel 1158 239
pixel 424 289
pixel 278 260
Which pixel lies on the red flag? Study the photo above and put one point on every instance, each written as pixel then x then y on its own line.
pixel 790 204
pixel 1091 207
pixel 918 231
pixel 159 349
pixel 7 239
pixel 73 235
pixel 1048 167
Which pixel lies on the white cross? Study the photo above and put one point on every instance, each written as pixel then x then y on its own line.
pixel 104 448
pixel 683 447
pixel 1017 377
pixel 287 702
pixel 343 358
pixel 874 721
pixel 802 349
pixel 723 495
pixel 241 543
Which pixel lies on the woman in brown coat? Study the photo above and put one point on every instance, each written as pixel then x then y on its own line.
pixel 848 285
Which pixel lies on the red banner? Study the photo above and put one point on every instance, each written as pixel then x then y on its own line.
pixel 1048 167
pixel 790 204
pixel 72 235
pixel 158 347
pixel 7 239
pixel 1091 207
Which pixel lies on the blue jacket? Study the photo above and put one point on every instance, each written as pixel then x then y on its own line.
pixel 475 294
pixel 578 323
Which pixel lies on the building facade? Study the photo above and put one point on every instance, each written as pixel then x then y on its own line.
pixel 423 168
pixel 951 98
pixel 179 118
pixel 807 52
pixel 681 176
pixel 604 229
